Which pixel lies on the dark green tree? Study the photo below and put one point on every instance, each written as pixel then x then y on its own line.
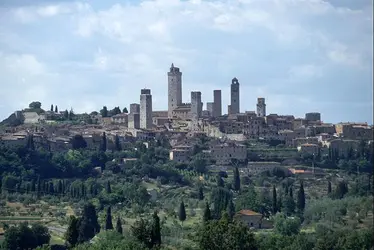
pixel 89 225
pixel 182 212
pixel 291 192
pixel 125 110
pixel 108 187
pixel 103 144
pixel 142 231
pixel 341 190
pixel 117 143
pixel 274 203
pixel 230 209
pixel 35 105
pixel 236 182
pixel 156 230
pixel 78 142
pixel 56 109
pixel 66 114
pixel 119 226
pixel 71 234
pixel 300 202
pixel 329 188
pixel 201 193
pixel 52 108
pixel 207 214
pixel 104 112
pixel 220 182
pixel 108 219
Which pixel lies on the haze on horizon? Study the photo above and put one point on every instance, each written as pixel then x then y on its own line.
pixel 302 56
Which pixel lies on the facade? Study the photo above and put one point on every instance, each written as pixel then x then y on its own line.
pixel 224 153
pixel 134 121
pixel 174 89
pixel 134 108
pixel 217 103
pixel 308 148
pixel 196 105
pixel 235 97
pixel 253 219
pixel 120 119
pixel 343 146
pixel 261 107
pixel 210 108
pixel 313 116
pixel 146 109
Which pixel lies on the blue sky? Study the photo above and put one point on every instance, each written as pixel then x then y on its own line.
pixel 301 55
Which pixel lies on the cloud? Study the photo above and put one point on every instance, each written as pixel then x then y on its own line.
pixel 299 55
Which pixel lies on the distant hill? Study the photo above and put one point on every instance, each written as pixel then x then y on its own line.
pixel 12 120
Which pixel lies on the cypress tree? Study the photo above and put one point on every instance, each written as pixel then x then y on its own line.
pixel 201 193
pixel 301 198
pixel 156 230
pixel 220 182
pixel 119 226
pixel 71 234
pixel 56 109
pixel 207 214
pixel 291 192
pixel 108 219
pixel 182 212
pixel 329 187
pixel 274 204
pixel 231 209
pixel 51 107
pixel 89 225
pixel 236 184
pixel 108 188
pixel 117 143
pixel 103 143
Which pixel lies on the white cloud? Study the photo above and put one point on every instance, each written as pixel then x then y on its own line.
pixel 275 47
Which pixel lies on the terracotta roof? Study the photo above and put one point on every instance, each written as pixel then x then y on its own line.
pixel 248 212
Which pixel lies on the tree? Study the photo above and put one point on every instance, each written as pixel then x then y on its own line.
pixel 104 112
pixel 103 143
pixel 71 234
pixel 291 192
pixel 182 212
pixel 220 197
pixel 56 109
pixel 231 209
pixel 156 230
pixel 35 105
pixel 52 108
pixel 300 202
pixel 220 182
pixel 329 188
pixel 119 226
pixel 201 193
pixel 142 231
pixel 71 114
pixel 125 110
pixel 108 219
pixel 274 204
pixel 41 234
pixel 66 114
pixel 108 187
pixel 117 143
pixel 236 183
pixel 341 190
pixel 288 205
pixel 286 226
pixel 89 225
pixel 78 142
pixel 207 214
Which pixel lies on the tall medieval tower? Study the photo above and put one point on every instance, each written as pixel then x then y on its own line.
pixel 174 89
pixel 146 109
pixel 261 107
pixel 234 107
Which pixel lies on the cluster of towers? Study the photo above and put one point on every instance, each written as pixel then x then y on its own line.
pixel 194 110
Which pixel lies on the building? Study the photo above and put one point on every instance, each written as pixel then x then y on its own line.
pixel 253 219
pixel 225 152
pixel 354 131
pixel 234 107
pixel 308 148
pixel 343 146
pixel 210 108
pixel 134 121
pixel 261 107
pixel 146 109
pixel 196 106
pixel 134 108
pixel 174 89
pixel 120 119
pixel 181 154
pixel 217 103
pixel 313 116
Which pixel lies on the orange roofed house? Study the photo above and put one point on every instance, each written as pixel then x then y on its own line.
pixel 253 219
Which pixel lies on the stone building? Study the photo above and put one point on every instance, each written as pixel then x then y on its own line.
pixel 313 116
pixel 234 107
pixel 134 120
pixel 343 146
pixel 210 108
pixel 308 148
pixel 354 131
pixel 146 109
pixel 174 89
pixel 134 108
pixel 261 107
pixel 120 119
pixel 217 103
pixel 196 106
pixel 225 152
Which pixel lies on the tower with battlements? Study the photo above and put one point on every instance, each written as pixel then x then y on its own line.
pixel 217 103
pixel 174 89
pixel 196 106
pixel 146 109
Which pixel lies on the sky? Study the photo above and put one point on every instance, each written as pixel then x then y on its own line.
pixel 301 55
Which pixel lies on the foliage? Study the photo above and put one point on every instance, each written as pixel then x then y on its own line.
pixel 286 226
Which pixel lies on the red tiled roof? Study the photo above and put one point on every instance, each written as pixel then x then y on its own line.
pixel 248 212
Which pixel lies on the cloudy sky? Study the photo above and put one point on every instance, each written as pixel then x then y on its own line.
pixel 301 55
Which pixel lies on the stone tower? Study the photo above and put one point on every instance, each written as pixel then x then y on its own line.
pixel 235 97
pixel 196 106
pixel 261 107
pixel 174 89
pixel 217 103
pixel 146 109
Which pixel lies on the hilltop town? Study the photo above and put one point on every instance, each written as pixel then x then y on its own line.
pixel 181 122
